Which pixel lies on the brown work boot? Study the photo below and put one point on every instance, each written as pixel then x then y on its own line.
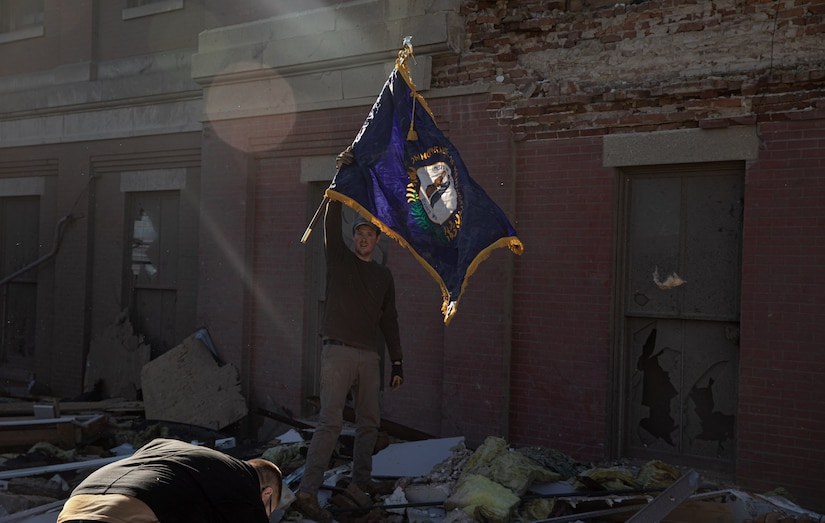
pixel 376 488
pixel 307 504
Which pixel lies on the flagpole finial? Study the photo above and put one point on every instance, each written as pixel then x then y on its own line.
pixel 405 52
pixel 402 67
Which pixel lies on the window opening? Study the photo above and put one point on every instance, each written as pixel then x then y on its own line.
pixel 19 15
pixel 152 266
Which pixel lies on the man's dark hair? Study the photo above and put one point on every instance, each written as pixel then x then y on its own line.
pixel 269 475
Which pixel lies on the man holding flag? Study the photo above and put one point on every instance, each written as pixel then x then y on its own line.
pixel 360 302
pixel 404 178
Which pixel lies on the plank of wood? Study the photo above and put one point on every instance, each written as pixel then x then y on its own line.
pixel 60 431
pixel 26 408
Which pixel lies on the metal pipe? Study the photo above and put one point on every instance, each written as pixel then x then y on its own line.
pixel 58 235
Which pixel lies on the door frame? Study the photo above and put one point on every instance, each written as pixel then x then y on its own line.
pixel 618 389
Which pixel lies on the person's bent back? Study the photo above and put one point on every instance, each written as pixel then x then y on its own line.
pixel 172 481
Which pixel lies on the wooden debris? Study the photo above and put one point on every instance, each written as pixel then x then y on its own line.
pixel 66 431
pixel 60 431
pixel 111 406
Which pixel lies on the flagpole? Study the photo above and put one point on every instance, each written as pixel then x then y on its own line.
pixel 314 220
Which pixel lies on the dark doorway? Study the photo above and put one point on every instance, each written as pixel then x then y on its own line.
pixel 19 226
pixel 680 312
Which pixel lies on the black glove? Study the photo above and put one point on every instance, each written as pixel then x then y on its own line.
pixel 396 375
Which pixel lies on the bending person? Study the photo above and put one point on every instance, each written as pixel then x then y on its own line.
pixel 172 481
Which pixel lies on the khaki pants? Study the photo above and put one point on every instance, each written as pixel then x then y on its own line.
pixel 342 368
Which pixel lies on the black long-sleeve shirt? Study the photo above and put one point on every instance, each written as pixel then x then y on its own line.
pixel 360 295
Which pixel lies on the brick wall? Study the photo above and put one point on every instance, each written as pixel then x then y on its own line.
pixel 562 74
pixel 783 304
pixel 654 65
pixel 223 248
pixel 562 296
pixel 279 280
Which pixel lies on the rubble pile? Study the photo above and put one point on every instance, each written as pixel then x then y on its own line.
pixel 435 480
pixel 498 484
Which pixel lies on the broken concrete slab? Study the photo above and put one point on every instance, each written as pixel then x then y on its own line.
pixel 413 458
pixel 187 385
pixel 116 357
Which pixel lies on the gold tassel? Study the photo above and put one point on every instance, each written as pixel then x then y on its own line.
pixel 401 64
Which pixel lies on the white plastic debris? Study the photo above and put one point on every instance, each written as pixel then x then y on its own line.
pixel 396 498
pixel 290 436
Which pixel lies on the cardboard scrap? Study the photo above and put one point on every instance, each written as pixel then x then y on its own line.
pixel 187 385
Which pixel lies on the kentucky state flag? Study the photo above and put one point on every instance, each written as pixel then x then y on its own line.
pixel 409 180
